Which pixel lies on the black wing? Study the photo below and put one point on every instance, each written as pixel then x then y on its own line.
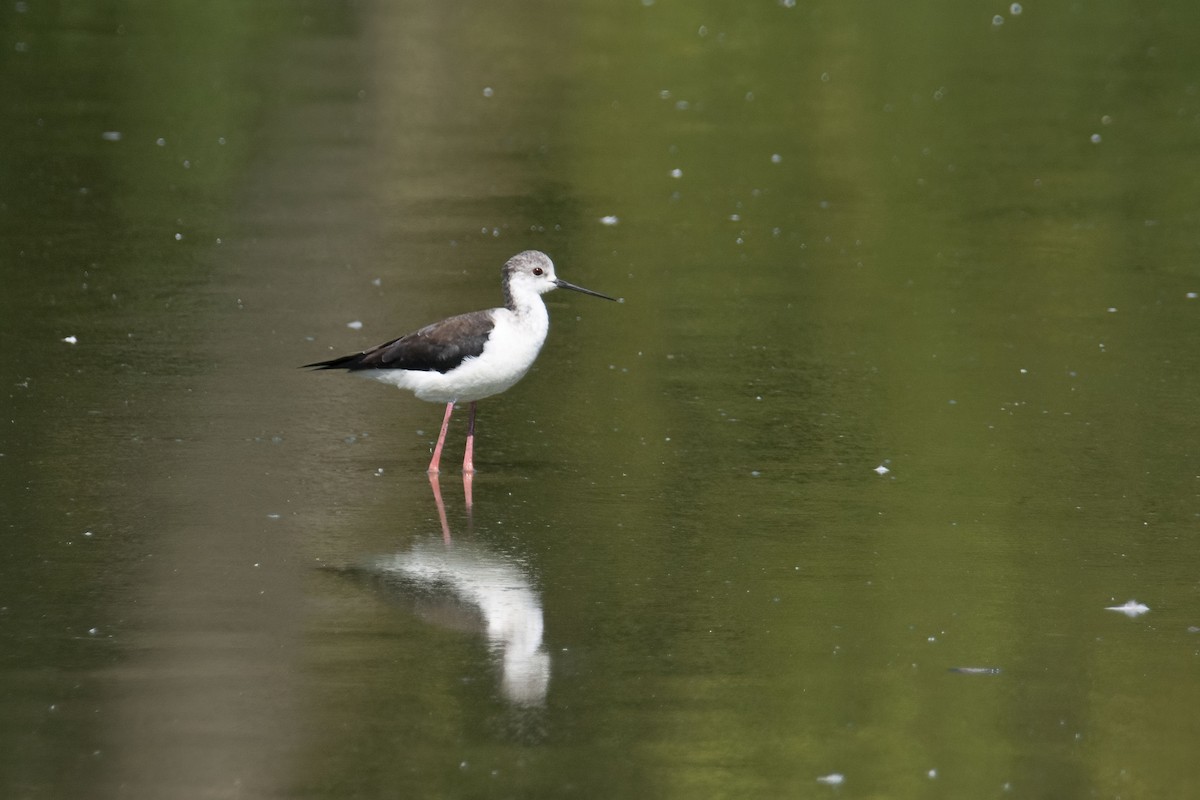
pixel 441 346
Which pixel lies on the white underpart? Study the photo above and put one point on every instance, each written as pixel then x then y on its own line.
pixel 515 341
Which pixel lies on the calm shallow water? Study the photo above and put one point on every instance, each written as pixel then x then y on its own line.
pixel 846 239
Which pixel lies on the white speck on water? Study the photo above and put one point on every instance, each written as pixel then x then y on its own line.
pixel 677 173
pixel 88 534
pixel 932 774
pixel 1192 295
pixel 179 237
pixel 111 136
pixel 1130 609
pixel 1024 371
pixel 377 282
pixel 682 105
pixel 882 470
pixel 664 94
pixel 220 140
pixel 70 339
pixel 832 779
pixel 187 164
pixel 735 218
pixel 776 158
pixel 755 473
pixel 161 142
pixel 1015 9
pixel 824 77
pixel 1112 309
pixel 488 91
pixel 355 325
pixel 609 219
pixel 997 20
pixel 1095 138
pixel 273 515
pixel 1106 120
pixel 93 631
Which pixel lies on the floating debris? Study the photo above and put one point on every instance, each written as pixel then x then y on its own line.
pixel 611 219
pixel 832 779
pixel 1131 609
pixel 882 470
pixel 355 325
pixel 975 670
pixel 70 339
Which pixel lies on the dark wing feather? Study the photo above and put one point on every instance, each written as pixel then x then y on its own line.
pixel 441 346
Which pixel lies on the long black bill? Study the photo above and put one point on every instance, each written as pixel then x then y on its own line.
pixel 564 285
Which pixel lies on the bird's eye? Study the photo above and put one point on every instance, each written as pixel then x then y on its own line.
pixel 537 270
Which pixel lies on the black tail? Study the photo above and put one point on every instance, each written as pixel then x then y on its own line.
pixel 345 362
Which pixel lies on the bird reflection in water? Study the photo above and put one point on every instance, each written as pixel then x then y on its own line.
pixel 467 585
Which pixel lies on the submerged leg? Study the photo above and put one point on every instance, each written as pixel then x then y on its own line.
pixel 469 456
pixel 437 451
pixel 441 507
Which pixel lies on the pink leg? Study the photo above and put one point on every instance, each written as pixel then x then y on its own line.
pixel 437 451
pixel 469 457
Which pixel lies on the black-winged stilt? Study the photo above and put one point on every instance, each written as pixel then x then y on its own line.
pixel 472 356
